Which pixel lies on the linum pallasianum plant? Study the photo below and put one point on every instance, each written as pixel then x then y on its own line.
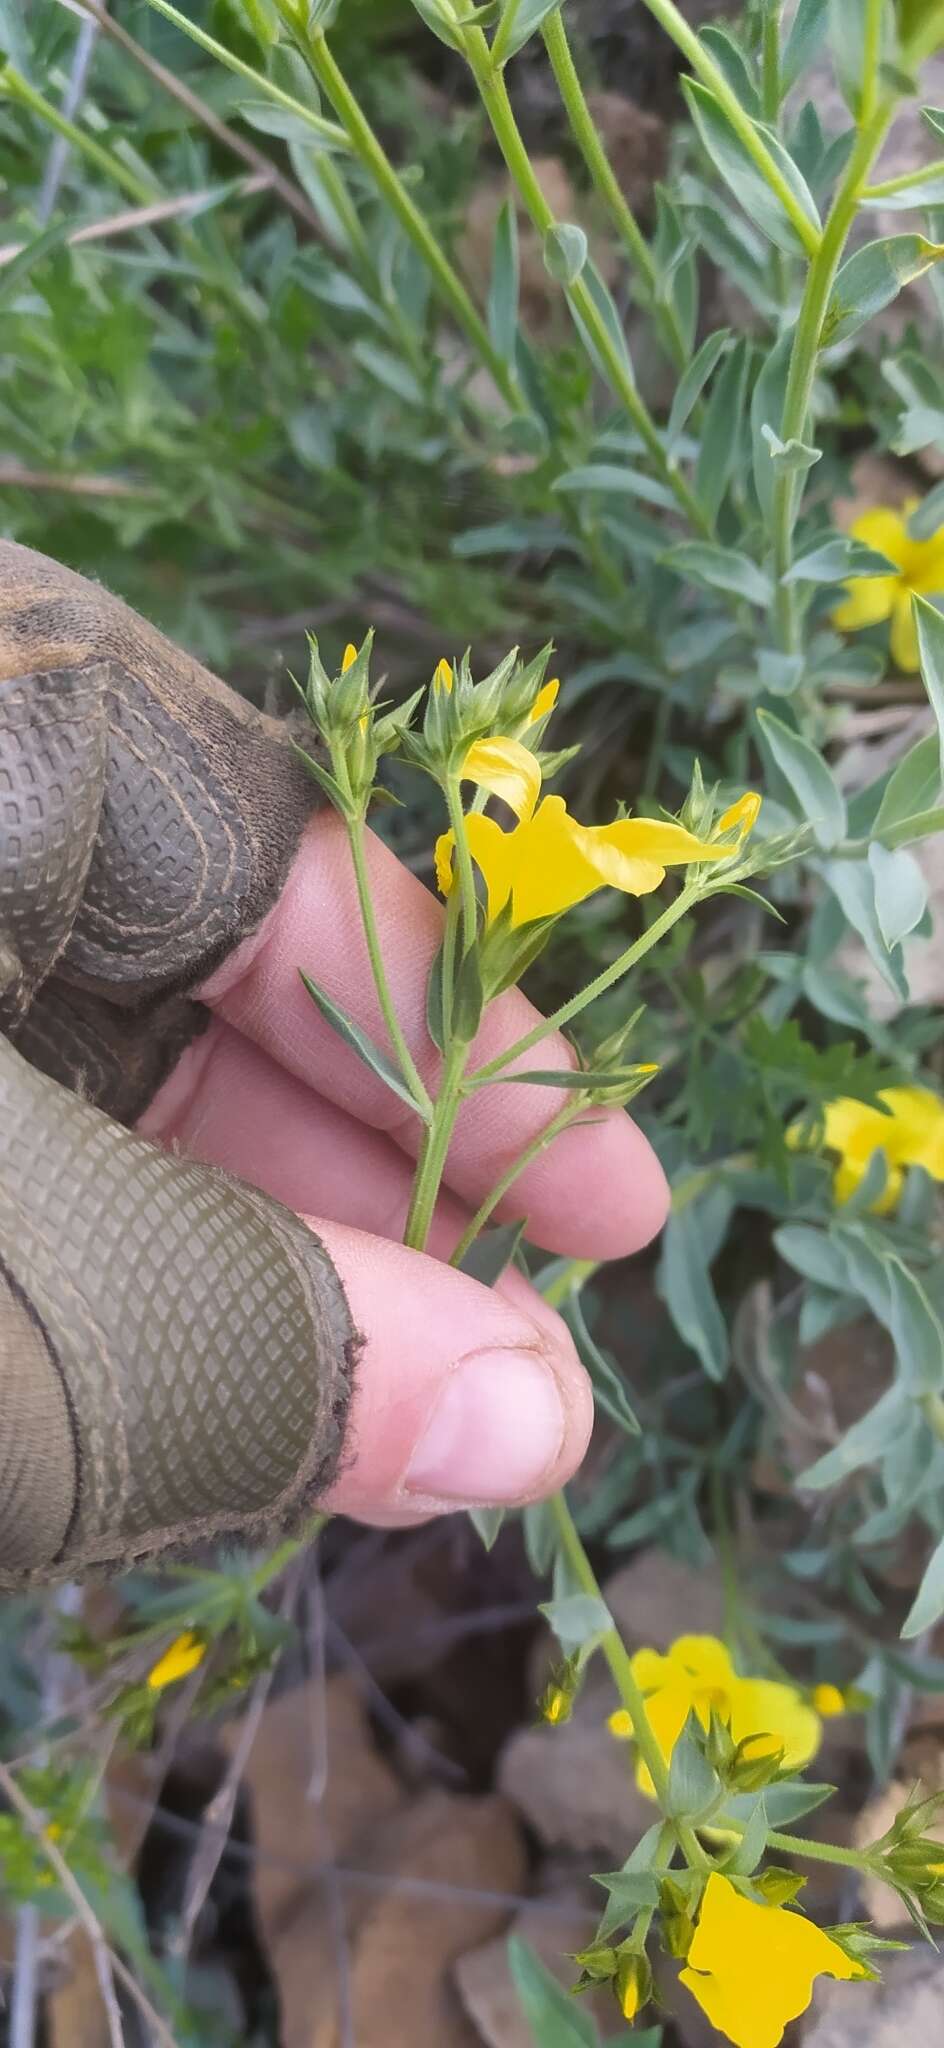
pixel 719 1753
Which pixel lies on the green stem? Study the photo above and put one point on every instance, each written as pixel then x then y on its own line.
pixel 684 901
pixel 432 1159
pixel 587 138
pixel 710 73
pixel 871 56
pixel 375 159
pixel 463 864
pixel 408 1067
pixel 17 88
pixel 889 186
pixel 293 1546
pixel 820 1852
pixel 559 1123
pixel 807 343
pixel 498 107
pixel 621 1669
pixel 326 131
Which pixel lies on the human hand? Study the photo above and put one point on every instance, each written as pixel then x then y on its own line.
pixel 141 1412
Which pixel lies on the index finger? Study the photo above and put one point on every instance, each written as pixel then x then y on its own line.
pixel 597 1192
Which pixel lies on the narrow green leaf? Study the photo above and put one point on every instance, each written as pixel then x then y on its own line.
pixel 752 1844
pixel 686 1288
pixel 576 1619
pixel 720 569
pixel 923 825
pixel 503 288
pixel 721 430
pixel 872 278
pixel 901 892
pixel 784 1803
pixel 789 456
pixel 435 1021
pixel 814 1254
pixel 693 1786
pixel 912 787
pixel 602 299
pixel 740 172
pixel 864 1444
pixel 528 16
pixel 608 1388
pixel 359 1042
pixel 493 1251
pixel 837 559
pixel 805 34
pixel 924 192
pixel 692 383
pixel 767 403
pixel 853 886
pixel 487 1523
pixel 819 799
pixel 930 626
pixel 929 1601
pixel 565 252
pixel 553 2015
pixel 917 1332
pixel 732 62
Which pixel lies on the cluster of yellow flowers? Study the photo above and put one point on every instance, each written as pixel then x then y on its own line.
pixel 751 1966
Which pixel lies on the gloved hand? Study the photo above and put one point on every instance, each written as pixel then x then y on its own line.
pixel 180 1354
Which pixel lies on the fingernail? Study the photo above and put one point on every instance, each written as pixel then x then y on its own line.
pixel 496 1430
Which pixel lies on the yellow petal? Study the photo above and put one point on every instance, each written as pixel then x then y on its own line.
pixel 744 813
pixel 182 1657
pixel 886 529
pixel 904 636
pixel 703 1659
pixel 442 676
pixel 918 1116
pixel 445 873
pixel 761 1707
pixel 494 853
pixel 752 1968
pixel 348 658
pixel 856 1129
pixel 544 701
pixel 870 600
pixel 620 1725
pixel 508 770
pixel 926 565
pixel 828 1701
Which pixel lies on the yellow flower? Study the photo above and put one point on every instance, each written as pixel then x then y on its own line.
pixel 544 701
pixel 920 568
pixel 348 658
pixel 752 1968
pixel 620 1725
pixel 744 814
pixel 556 1705
pixel 442 676
pixel 828 1701
pixel 550 862
pixel 912 1134
pixel 697 1675
pixel 506 769
pixel 182 1657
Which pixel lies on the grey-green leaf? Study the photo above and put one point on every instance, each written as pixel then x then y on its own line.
pixel 872 278
pixel 929 1601
pixel 930 626
pixel 917 1332
pixel 686 1289
pixel 837 559
pixel 565 252
pixel 720 569
pixel 489 1256
pixel 379 1062
pixel 503 289
pixel 901 892
pixel 553 2015
pixel 576 1619
pixel 819 799
pixel 738 169
pixel 912 787
pixel 692 382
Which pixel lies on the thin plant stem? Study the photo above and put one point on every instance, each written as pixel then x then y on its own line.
pixel 498 107
pixel 820 1852
pixel 686 898
pixel 808 341
pixel 326 131
pixel 589 143
pixel 770 63
pixel 432 1159
pixel 703 64
pixel 560 1122
pixel 463 864
pixel 408 1066
pixel 621 1669
pixel 375 159
pixel 890 186
pixel 14 87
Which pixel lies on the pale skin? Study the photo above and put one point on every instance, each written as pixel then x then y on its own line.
pixel 464 1396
